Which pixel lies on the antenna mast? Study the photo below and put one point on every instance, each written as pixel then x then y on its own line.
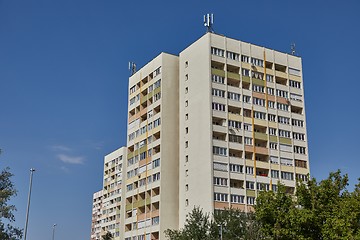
pixel 293 50
pixel 209 22
pixel 132 68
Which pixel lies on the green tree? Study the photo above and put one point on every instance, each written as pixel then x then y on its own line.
pixel 7 190
pixel 319 210
pixel 107 236
pixel 197 227
pixel 232 224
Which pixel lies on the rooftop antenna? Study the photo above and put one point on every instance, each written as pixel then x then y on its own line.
pixel 132 68
pixel 209 22
pixel 293 50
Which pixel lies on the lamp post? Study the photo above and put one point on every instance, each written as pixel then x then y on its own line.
pixel 53 235
pixel 32 170
pixel 221 231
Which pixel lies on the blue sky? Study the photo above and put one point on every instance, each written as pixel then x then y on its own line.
pixel 63 75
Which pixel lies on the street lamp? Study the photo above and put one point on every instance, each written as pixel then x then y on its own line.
pixel 221 231
pixel 53 236
pixel 32 170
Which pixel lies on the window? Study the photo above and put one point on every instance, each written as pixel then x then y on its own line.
pixel 245 59
pixel 156 177
pixel 234 124
pixel 156 163
pixel 186 187
pixel 263 186
pixel 221 197
pixel 132 100
pixel 287 176
pixel 186 130
pixel 246 99
pixel 186 103
pixel 272 131
pixel 186 77
pixel 249 170
pixel 234 96
pixel 299 136
pixel 157 84
pixel 296 97
pixel 259 101
pixel 235 138
pixel 269 78
pixel 259 115
pixel 250 185
pixel 283 120
pixel 186 116
pixel 285 148
pixel 186 158
pixel 132 89
pixel 217 52
pixel 274 160
pixel 270 91
pixel 257 75
pixel 271 104
pixel 129 187
pixel 186 64
pixel 218 93
pixel 247 141
pixel 273 145
pixel 301 177
pixel 186 90
pixel 220 166
pixel 155 220
pixel 257 62
pixel 219 151
pixel 284 133
pixel 298 123
pixel 157 122
pixel 275 174
pixel 232 55
pixel 186 144
pixel 281 93
pixel 157 97
pixel 157 71
pixel 220 181
pixel 271 117
pixel 294 71
pixel 282 106
pixel 300 163
pixel 218 107
pixel 245 72
pixel 247 127
pixel 257 88
pixel 236 168
pixel 236 198
pixel 286 162
pixel 250 200
pixel 217 79
pixel 294 84
pixel 300 150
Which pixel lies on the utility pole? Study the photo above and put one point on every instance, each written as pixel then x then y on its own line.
pixel 32 170
pixel 53 235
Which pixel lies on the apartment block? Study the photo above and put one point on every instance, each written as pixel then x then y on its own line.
pixel 96 215
pixel 242 123
pixel 211 127
pixel 152 196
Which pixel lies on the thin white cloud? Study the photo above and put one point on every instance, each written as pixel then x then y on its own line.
pixel 71 159
pixel 65 169
pixel 60 148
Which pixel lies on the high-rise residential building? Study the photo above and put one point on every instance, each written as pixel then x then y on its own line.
pixel 106 214
pixel 211 127
pixel 242 123
pixel 96 215
pixel 152 168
